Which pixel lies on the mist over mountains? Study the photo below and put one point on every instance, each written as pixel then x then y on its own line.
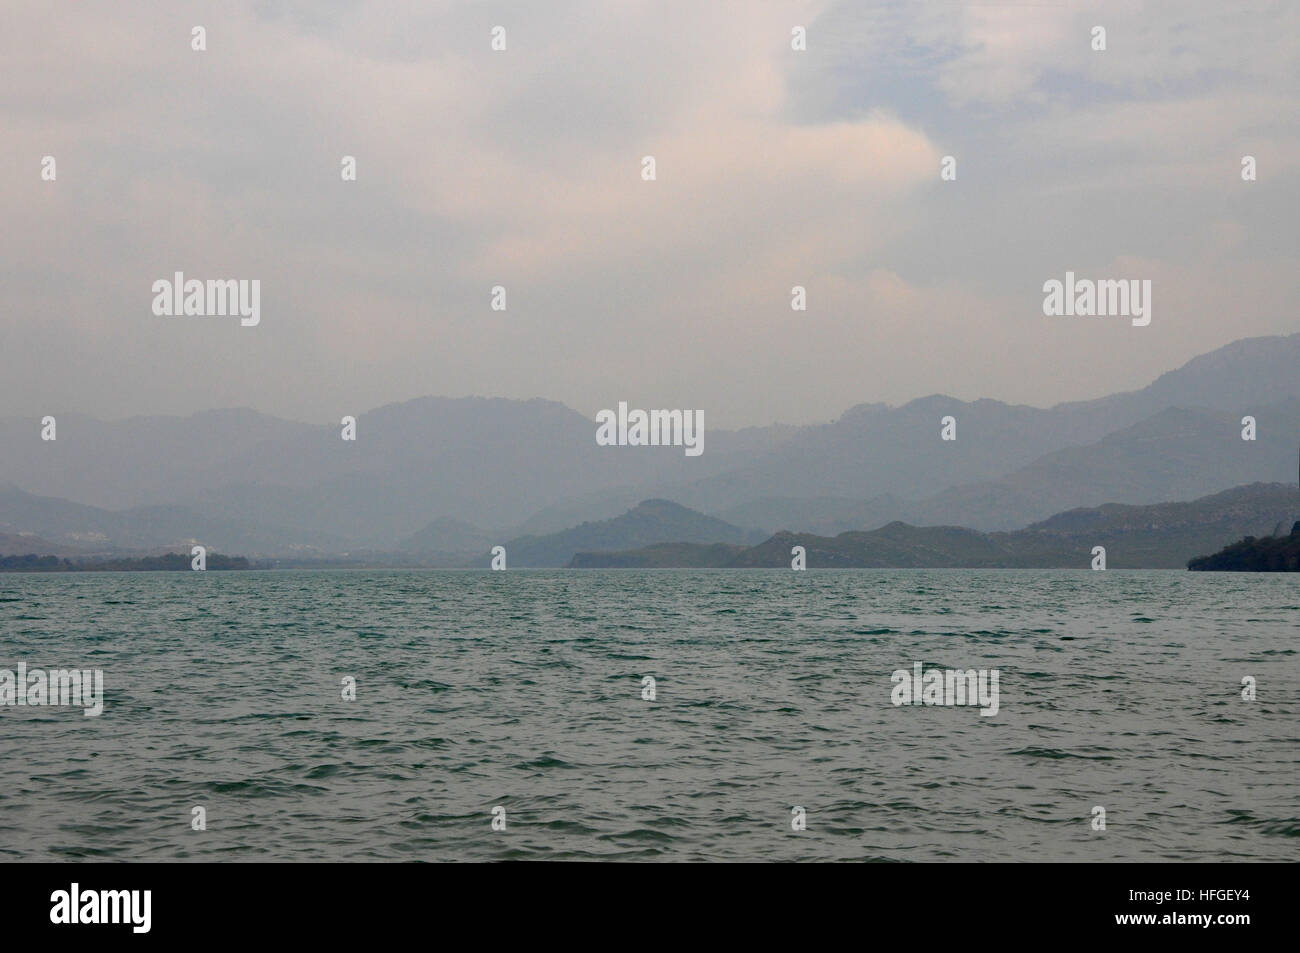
pixel 442 475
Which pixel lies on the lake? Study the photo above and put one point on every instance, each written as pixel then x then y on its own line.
pixel 526 692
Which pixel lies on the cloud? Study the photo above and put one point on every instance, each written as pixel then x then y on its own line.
pixel 522 168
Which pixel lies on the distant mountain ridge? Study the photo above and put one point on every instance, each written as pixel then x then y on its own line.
pixel 447 537
pixel 1176 454
pixel 1159 536
pixel 510 469
pixel 72 528
pixel 22 544
pixel 648 523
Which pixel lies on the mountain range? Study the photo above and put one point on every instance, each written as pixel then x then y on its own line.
pixel 444 477
pixel 1159 536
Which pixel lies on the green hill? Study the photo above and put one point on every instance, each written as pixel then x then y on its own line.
pixel 1270 554
pixel 1159 536
pixel 650 523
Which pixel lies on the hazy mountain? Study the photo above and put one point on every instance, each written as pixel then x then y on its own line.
pixel 144 460
pixel 572 511
pixel 16 545
pixel 653 521
pixel 518 468
pixel 147 528
pixel 1163 535
pixel 493 462
pixel 826 516
pixel 874 461
pixel 1252 372
pixel 446 536
pixel 1175 454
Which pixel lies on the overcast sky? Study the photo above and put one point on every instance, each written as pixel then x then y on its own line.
pixel 522 168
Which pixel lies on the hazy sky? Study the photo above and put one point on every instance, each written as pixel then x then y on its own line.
pixel 522 168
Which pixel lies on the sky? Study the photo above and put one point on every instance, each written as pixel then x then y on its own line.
pixel 522 168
